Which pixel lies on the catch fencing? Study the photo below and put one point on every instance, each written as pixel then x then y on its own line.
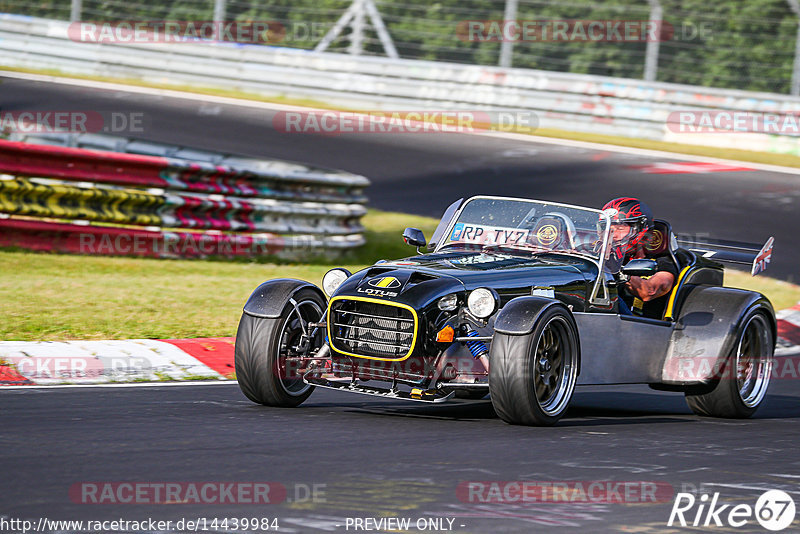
pixel 72 193
pixel 600 105
pixel 734 44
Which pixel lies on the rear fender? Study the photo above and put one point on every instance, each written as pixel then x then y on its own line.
pixel 706 331
pixel 269 299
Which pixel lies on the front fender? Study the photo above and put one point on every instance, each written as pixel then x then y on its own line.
pixel 706 332
pixel 518 317
pixel 269 299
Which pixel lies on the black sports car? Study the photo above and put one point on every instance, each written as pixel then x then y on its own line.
pixel 517 299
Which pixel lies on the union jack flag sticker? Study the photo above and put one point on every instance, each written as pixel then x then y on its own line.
pixel 763 257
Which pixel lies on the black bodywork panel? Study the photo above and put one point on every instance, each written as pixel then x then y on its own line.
pixel 269 299
pixel 519 317
pixel 705 331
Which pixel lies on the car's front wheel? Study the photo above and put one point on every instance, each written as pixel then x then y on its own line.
pixel 532 376
pixel 742 385
pixel 268 350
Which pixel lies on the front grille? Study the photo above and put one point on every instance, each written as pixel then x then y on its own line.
pixel 371 329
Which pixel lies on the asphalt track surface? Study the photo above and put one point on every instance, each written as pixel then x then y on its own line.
pixel 377 458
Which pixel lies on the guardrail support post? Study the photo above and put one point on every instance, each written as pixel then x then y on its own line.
pixel 795 90
pixel 653 45
pixel 75 10
pixel 219 16
pixel 357 35
pixel 507 46
pixel 219 10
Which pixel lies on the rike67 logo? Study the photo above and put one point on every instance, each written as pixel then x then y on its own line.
pixel 774 510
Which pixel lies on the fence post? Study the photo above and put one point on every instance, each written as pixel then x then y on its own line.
pixel 75 10
pixel 795 90
pixel 651 53
pixel 219 10
pixel 357 29
pixel 219 17
pixel 354 17
pixel 507 46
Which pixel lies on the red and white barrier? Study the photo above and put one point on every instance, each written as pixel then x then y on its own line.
pixel 100 362
pixel 789 326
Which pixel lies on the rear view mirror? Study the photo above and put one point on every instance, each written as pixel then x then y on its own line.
pixel 640 267
pixel 414 237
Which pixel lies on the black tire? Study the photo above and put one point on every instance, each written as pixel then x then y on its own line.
pixel 744 378
pixel 526 390
pixel 261 348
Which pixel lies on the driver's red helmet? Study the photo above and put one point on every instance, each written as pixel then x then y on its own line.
pixel 637 215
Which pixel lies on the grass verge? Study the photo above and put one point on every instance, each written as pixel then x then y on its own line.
pixel 57 297
pixel 771 158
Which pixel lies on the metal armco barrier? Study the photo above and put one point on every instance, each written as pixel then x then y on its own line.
pixel 63 198
pixel 182 170
pixel 612 106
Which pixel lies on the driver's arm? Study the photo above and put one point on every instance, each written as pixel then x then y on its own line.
pixel 651 288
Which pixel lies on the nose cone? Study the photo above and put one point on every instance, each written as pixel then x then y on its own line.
pixel 401 284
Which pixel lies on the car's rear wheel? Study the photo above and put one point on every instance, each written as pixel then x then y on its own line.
pixel 532 377
pixel 267 348
pixel 742 385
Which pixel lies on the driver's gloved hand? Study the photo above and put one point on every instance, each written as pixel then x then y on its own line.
pixel 622 279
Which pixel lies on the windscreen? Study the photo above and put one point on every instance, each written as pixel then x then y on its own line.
pixel 528 225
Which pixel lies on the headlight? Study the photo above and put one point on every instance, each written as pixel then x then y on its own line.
pixel 448 303
pixel 482 303
pixel 333 279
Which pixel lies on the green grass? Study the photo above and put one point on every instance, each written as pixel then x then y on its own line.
pixel 781 294
pixel 56 297
pixel 786 160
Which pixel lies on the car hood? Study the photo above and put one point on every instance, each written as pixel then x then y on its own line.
pixel 419 280
pixel 495 269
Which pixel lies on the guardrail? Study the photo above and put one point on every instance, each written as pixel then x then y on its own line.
pixel 68 198
pixel 613 106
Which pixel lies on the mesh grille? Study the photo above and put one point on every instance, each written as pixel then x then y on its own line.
pixel 371 329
